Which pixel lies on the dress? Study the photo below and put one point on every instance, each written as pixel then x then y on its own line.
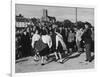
pixel 41 48
pixel 71 40
pixel 43 45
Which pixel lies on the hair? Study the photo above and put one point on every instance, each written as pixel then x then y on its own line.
pixel 37 29
pixel 44 31
pixel 57 30
pixel 88 24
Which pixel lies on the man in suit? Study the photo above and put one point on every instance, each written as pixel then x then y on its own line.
pixel 87 39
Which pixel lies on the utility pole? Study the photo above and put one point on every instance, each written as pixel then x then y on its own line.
pixel 76 16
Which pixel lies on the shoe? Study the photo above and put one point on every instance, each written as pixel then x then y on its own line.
pixel 61 61
pixel 42 64
pixel 90 60
pixel 86 60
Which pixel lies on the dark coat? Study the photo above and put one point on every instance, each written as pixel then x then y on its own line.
pixel 87 36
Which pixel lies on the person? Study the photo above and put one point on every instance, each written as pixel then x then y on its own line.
pixel 42 43
pixel 71 41
pixel 28 38
pixel 92 36
pixel 53 48
pixel 18 46
pixel 87 39
pixel 35 39
pixel 60 45
pixel 78 35
pixel 25 44
pixel 46 45
pixel 66 35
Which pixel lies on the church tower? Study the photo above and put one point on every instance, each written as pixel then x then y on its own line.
pixel 45 13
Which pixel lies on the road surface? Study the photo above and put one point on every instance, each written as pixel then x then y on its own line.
pixel 74 61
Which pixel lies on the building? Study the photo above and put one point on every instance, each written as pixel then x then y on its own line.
pixel 46 18
pixel 21 21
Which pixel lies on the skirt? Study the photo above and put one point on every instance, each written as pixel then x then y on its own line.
pixel 42 48
pixel 71 44
pixel 60 48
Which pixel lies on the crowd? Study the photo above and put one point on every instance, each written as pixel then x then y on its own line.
pixel 42 40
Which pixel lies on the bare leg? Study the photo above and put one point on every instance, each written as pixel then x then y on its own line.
pixel 42 60
pixel 55 53
pixel 35 57
pixel 70 50
pixel 60 57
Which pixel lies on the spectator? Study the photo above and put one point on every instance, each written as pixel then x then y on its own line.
pixel 87 38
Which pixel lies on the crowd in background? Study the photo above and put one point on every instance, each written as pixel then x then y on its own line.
pixel 59 38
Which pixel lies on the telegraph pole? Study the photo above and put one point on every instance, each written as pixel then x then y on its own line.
pixel 76 16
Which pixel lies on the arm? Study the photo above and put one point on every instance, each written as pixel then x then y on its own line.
pixel 33 41
pixel 56 41
pixel 50 42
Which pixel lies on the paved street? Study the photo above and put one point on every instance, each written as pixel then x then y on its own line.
pixel 74 61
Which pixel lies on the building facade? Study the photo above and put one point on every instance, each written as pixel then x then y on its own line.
pixel 46 18
pixel 21 21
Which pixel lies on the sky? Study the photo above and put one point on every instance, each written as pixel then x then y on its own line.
pixel 61 13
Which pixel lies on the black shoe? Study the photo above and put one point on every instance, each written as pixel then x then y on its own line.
pixel 90 60
pixel 42 64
